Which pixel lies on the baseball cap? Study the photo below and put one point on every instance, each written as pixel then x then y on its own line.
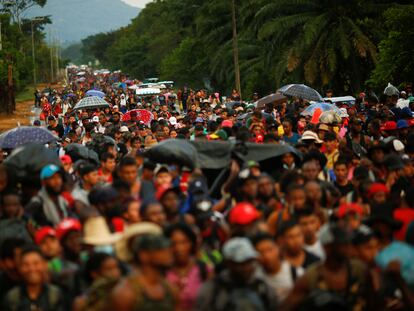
pixel 362 234
pixel 36 123
pixel 115 107
pixel 42 233
pixel 66 159
pixel 172 120
pixel 349 208
pixel 102 194
pixel 239 250
pixel 123 129
pixel 343 113
pixel 67 225
pixel 48 171
pixel 252 163
pixel 243 213
pixel 389 126
pixel 86 168
pixel 377 187
pixel 161 168
pixel 402 124
pixel 95 119
pixel 199 120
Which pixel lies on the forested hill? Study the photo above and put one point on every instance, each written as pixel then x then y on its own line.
pixel 74 20
pixel 341 45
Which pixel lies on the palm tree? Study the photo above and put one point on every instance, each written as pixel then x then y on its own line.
pixel 325 43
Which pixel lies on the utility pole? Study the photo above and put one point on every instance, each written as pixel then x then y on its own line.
pixel 1 44
pixel 235 48
pixel 33 56
pixel 57 56
pixel 36 19
pixel 51 57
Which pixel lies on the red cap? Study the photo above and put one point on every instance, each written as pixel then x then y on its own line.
pixel 411 122
pixel 349 208
pixel 377 187
pixel 389 126
pixel 65 159
pixel 243 213
pixel 42 233
pixel 67 225
pixel 227 123
pixel 161 190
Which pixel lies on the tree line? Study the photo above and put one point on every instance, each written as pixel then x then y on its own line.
pixel 344 45
pixel 19 36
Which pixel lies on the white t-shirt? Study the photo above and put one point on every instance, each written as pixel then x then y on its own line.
pixel 282 282
pixel 316 249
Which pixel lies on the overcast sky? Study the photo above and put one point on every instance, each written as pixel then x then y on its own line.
pixel 137 3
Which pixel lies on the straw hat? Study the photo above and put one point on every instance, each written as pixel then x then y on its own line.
pixel 122 248
pixel 96 232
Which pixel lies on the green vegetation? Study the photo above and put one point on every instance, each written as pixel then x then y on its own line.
pixel 326 44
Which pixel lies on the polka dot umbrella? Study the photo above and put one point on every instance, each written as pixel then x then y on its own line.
pixel 25 134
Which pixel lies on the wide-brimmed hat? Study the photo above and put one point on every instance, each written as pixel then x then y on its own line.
pixel 96 232
pixel 122 247
pixel 309 135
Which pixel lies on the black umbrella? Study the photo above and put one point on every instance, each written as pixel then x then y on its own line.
pixel 230 105
pixel 80 152
pixel 217 155
pixel 269 99
pixel 27 161
pixel 174 151
pixel 301 91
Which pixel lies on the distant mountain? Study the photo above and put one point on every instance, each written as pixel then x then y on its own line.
pixel 74 20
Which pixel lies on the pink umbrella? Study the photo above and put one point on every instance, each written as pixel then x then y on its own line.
pixel 141 115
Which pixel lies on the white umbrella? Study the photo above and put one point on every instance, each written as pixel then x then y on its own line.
pixel 133 87
pixel 148 91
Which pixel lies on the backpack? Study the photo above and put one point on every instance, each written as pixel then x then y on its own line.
pixel 14 297
pixel 251 298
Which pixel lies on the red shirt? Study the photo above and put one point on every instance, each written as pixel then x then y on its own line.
pixel 108 179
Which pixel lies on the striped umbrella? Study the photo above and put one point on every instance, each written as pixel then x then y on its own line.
pixel 25 134
pixel 91 102
pixel 148 91
pixel 301 91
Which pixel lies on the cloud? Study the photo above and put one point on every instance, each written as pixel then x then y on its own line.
pixel 137 3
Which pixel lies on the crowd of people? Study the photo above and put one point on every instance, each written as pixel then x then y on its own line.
pixel 329 224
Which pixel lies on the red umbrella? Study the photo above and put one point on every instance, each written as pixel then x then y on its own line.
pixel 141 115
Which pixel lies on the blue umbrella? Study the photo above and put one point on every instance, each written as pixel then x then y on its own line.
pixel 310 110
pixel 25 134
pixel 301 91
pixel 95 93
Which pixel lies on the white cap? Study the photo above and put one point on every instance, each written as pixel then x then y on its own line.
pixel 124 129
pixel 172 120
pixel 343 113
pixel 95 119
pixel 115 107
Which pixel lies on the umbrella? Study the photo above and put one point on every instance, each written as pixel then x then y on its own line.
pixel 246 116
pixel 27 161
pixel 300 90
pixel 133 87
pixel 95 93
pixel 142 115
pixel 80 152
pixel 71 95
pixel 25 134
pixel 269 99
pixel 391 90
pixel 81 79
pixel 148 91
pixel 91 102
pixel 174 151
pixel 81 73
pixel 329 117
pixel 230 105
pixel 309 111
